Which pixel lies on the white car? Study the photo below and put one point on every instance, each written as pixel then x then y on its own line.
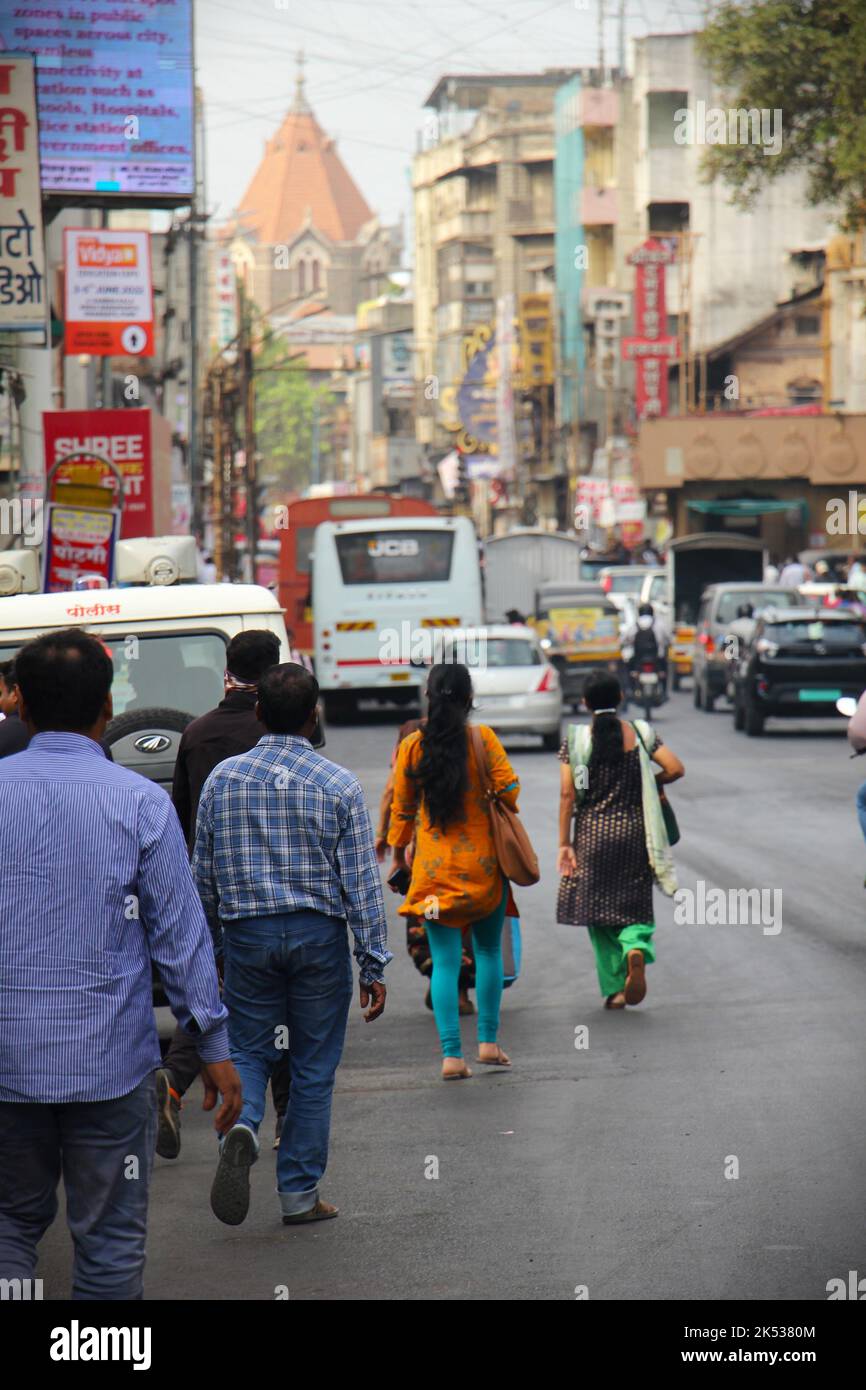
pixel 517 689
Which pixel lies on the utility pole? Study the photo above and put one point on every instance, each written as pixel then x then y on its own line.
pixel 105 362
pixel 192 441
pixel 314 464
pixel 217 485
pixel 247 389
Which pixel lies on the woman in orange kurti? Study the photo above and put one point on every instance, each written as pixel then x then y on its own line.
pixel 456 880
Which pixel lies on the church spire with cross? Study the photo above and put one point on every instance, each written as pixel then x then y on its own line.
pixel 300 106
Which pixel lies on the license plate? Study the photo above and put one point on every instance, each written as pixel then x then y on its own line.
pixel 399 675
pixel 647 679
pixel 820 695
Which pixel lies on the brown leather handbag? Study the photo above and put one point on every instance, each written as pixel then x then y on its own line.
pixel 517 859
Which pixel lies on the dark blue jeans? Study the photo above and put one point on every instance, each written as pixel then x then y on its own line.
pixel 104 1150
pixel 288 984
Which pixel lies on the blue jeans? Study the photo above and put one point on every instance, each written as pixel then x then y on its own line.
pixel 288 982
pixel 92 1143
pixel 861 807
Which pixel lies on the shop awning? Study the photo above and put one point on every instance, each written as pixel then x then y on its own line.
pixel 748 506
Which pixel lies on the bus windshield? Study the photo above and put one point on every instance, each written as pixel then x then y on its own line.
pixel 395 557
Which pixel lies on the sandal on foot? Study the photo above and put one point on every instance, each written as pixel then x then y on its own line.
pixel 635 984
pixel 615 1001
pixel 500 1060
pixel 322 1211
pixel 455 1075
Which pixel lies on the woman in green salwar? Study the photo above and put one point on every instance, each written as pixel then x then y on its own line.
pixel 610 794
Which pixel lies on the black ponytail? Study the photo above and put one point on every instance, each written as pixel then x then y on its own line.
pixel 604 692
pixel 442 773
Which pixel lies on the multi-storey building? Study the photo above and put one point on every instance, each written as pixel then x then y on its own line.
pixel 484 244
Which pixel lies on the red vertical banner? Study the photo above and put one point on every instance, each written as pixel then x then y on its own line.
pixel 652 348
pixel 125 437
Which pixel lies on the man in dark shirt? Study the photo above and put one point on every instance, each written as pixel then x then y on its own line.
pixel 221 733
pixel 14 737
pixel 229 729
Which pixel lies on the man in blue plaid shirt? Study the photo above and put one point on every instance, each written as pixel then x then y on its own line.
pixel 284 861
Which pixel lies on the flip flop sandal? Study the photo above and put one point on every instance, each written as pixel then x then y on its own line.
pixel 457 1075
pixel 615 1001
pixel 635 984
pixel 503 1060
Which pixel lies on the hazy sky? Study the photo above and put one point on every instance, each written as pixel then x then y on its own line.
pixel 371 63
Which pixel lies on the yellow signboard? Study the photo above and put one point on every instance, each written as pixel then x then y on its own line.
pixel 536 340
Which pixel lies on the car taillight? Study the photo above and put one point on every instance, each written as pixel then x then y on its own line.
pixel 549 681
pixel 707 642
pixel 648 666
pixel 607 583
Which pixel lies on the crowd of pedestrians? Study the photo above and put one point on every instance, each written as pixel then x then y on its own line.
pixel 239 890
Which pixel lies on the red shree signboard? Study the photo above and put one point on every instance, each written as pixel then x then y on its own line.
pixel 138 441
pixel 651 349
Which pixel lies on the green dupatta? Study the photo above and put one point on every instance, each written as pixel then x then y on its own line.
pixel 657 845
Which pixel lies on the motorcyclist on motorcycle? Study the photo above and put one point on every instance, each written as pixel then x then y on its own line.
pixel 646 640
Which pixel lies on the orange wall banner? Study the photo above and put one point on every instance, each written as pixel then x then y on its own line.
pixel 109 293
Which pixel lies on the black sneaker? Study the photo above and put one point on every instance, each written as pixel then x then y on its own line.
pixel 168 1116
pixel 230 1194
pixel 278 1131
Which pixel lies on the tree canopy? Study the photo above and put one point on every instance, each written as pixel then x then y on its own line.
pixel 806 58
pixel 285 404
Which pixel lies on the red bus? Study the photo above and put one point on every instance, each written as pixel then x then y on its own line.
pixel 296 544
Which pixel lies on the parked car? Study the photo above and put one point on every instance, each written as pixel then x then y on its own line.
pixel 711 662
pixel 797 665
pixel 517 689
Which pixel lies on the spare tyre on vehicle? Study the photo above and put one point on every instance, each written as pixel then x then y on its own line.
pixel 147 741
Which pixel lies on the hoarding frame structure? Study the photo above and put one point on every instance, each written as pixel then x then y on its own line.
pixel 32 195
pixel 54 200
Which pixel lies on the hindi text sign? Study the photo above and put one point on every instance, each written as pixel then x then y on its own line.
pixel 23 291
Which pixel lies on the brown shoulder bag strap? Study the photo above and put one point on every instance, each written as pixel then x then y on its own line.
pixel 480 753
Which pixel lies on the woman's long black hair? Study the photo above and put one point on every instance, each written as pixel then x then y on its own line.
pixel 604 692
pixel 441 773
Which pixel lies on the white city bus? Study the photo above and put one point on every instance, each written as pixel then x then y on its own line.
pixel 384 594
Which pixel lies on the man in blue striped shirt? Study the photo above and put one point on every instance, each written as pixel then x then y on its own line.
pixel 284 861
pixel 94 886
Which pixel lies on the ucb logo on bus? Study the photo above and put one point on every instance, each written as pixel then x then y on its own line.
pixel 383 548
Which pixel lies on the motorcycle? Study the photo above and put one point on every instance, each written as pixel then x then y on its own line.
pixel 647 687
pixel 649 691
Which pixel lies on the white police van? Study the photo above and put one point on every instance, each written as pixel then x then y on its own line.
pixel 167 636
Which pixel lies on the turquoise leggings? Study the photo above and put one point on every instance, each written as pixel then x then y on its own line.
pixel 446 949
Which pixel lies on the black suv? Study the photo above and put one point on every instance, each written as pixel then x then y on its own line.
pixel 798 666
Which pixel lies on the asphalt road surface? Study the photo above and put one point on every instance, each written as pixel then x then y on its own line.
pixel 601 1167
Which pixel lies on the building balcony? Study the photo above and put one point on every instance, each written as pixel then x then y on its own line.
pixel 599 106
pixel 463 226
pixel 599 207
pixel 525 218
